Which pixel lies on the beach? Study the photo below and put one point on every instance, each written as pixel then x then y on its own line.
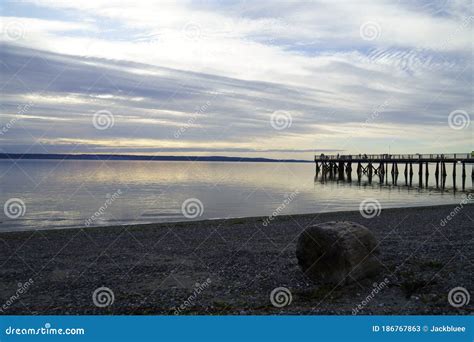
pixel 230 267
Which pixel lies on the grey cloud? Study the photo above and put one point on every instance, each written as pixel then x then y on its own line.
pixel 236 111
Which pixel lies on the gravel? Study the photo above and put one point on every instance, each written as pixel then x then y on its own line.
pixel 231 267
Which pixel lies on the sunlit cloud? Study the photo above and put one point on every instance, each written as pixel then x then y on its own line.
pixel 208 77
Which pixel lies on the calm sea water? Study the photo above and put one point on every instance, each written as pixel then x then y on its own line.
pixel 55 194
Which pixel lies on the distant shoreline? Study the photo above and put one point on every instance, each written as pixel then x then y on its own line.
pixel 39 156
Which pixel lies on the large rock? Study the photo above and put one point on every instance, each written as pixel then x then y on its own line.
pixel 337 252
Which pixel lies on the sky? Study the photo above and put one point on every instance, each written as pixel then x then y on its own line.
pixel 275 79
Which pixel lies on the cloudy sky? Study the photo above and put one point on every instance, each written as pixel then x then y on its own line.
pixel 249 78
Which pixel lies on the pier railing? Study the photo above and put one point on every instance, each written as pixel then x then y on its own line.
pixel 395 157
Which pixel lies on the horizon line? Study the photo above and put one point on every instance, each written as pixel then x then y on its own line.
pixel 105 156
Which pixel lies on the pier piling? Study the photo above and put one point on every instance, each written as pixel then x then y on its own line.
pixel 332 166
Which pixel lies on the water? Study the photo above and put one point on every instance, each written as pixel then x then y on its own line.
pixel 60 194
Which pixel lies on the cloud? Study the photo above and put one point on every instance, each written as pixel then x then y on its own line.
pixel 218 71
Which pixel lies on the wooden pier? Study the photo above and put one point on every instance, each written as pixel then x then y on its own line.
pixel 336 166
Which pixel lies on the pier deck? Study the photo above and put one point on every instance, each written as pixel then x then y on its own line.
pixel 397 158
pixel 335 166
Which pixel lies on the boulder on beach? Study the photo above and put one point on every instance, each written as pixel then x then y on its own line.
pixel 337 252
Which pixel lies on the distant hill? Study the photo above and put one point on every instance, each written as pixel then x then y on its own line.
pixel 39 156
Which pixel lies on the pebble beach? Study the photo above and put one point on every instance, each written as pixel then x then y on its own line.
pixel 236 267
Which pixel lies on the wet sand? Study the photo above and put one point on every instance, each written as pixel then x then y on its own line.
pixel 231 267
